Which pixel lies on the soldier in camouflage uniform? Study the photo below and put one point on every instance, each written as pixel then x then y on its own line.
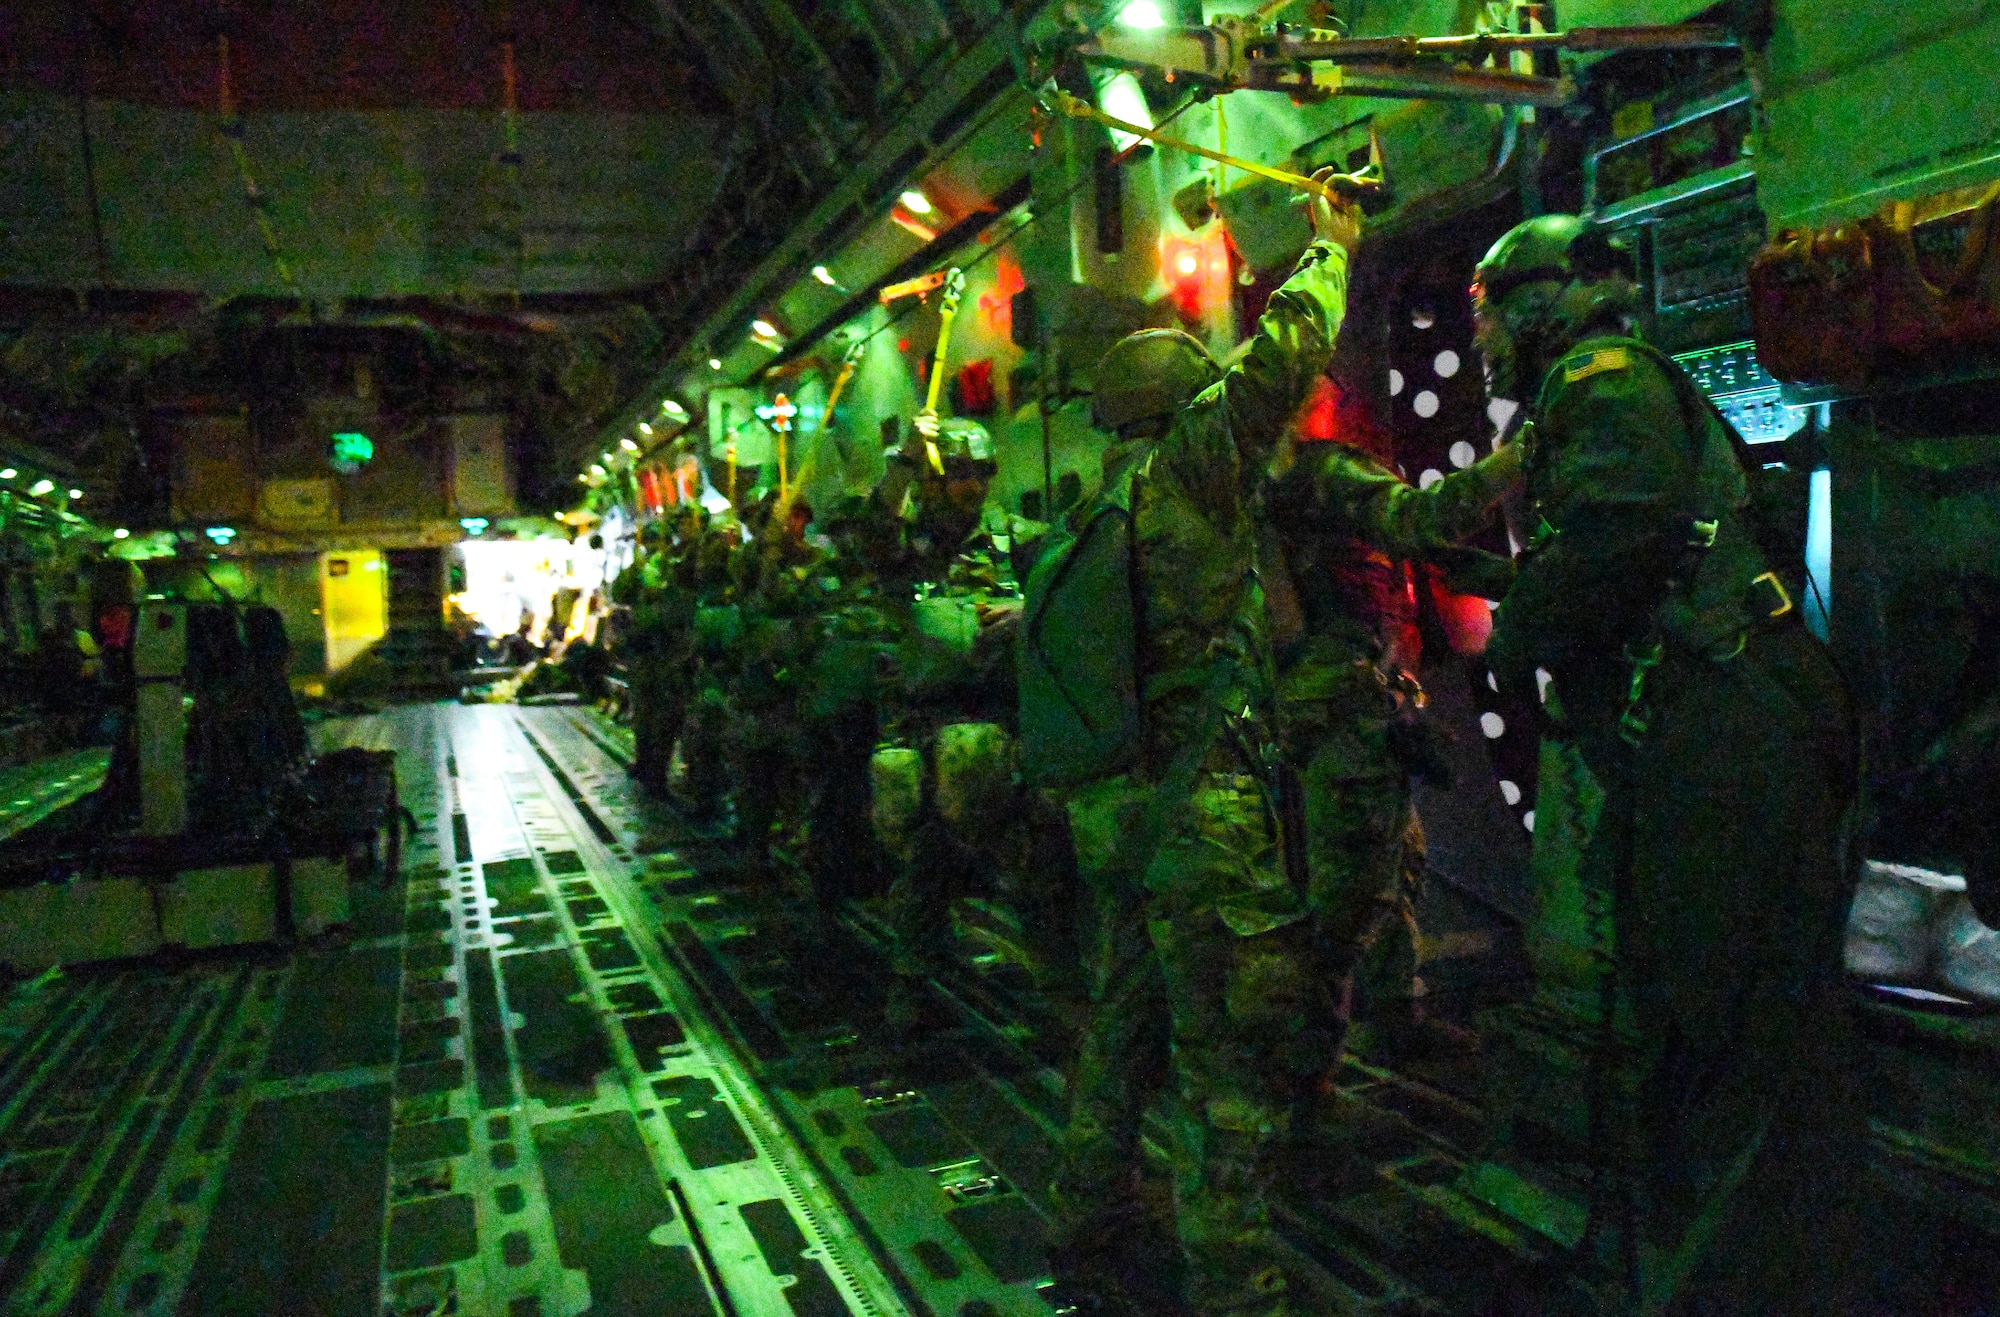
pixel 639 637
pixel 717 626
pixel 775 578
pixel 950 685
pixel 1348 707
pixel 838 705
pixel 1205 963
pixel 659 590
pixel 1689 825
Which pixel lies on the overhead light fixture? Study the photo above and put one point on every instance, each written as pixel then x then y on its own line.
pixel 628 445
pixel 8 473
pixel 76 493
pixel 596 470
pixel 645 428
pixel 1142 14
pixel 763 329
pixel 41 487
pixel 916 202
pixel 474 525
pixel 121 534
pixel 1122 97
pixel 672 408
pixel 715 363
pixel 606 457
pixel 824 275
pixel 221 534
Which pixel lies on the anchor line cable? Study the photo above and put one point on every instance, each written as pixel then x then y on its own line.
pixel 1054 207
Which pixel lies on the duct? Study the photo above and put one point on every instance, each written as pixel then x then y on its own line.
pixel 742 68
pixel 801 39
pixel 811 125
pixel 893 54
pixel 1424 212
pixel 703 321
pixel 939 249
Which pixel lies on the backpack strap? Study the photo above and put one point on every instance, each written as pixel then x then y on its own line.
pixel 1170 796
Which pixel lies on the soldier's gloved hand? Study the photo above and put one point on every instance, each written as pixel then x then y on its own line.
pixel 1334 219
pixel 1505 470
pixel 997 612
pixel 922 433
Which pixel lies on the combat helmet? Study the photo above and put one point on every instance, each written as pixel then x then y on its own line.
pixel 1153 373
pixel 1548 282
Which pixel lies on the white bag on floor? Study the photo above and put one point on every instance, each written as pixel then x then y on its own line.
pixel 1914 927
pixel 1968 953
pixel 1891 927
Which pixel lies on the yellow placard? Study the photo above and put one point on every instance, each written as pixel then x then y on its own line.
pixel 354 604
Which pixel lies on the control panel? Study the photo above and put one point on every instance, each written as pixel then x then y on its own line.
pixel 1743 391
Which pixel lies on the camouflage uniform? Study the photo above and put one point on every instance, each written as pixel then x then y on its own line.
pixel 763 743
pixel 1688 848
pixel 1347 526
pixel 1204 959
pixel 658 654
pixel 837 706
pixel 949 668
pixel 715 641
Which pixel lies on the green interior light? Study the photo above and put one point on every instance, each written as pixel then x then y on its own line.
pixel 1142 14
pixel 350 451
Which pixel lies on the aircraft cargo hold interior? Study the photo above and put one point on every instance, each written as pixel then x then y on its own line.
pixel 987 658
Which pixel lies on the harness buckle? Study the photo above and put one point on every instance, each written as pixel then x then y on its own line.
pixel 1777 588
pixel 1632 724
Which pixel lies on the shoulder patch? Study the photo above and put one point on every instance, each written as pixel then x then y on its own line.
pixel 1604 359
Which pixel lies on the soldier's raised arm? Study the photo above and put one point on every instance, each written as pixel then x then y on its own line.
pixel 1403 520
pixel 901 452
pixel 1294 340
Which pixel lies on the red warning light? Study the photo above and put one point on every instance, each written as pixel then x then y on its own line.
pixel 1181 268
pixel 1196 272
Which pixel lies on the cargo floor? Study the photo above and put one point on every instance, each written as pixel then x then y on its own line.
pixel 572 1062
pixel 494 1097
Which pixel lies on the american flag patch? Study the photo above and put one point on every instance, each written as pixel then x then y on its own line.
pixel 1596 364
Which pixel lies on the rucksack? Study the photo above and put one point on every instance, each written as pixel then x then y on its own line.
pixel 1078 646
pixel 1775 514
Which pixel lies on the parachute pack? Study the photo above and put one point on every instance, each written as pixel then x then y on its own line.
pixel 1078 656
